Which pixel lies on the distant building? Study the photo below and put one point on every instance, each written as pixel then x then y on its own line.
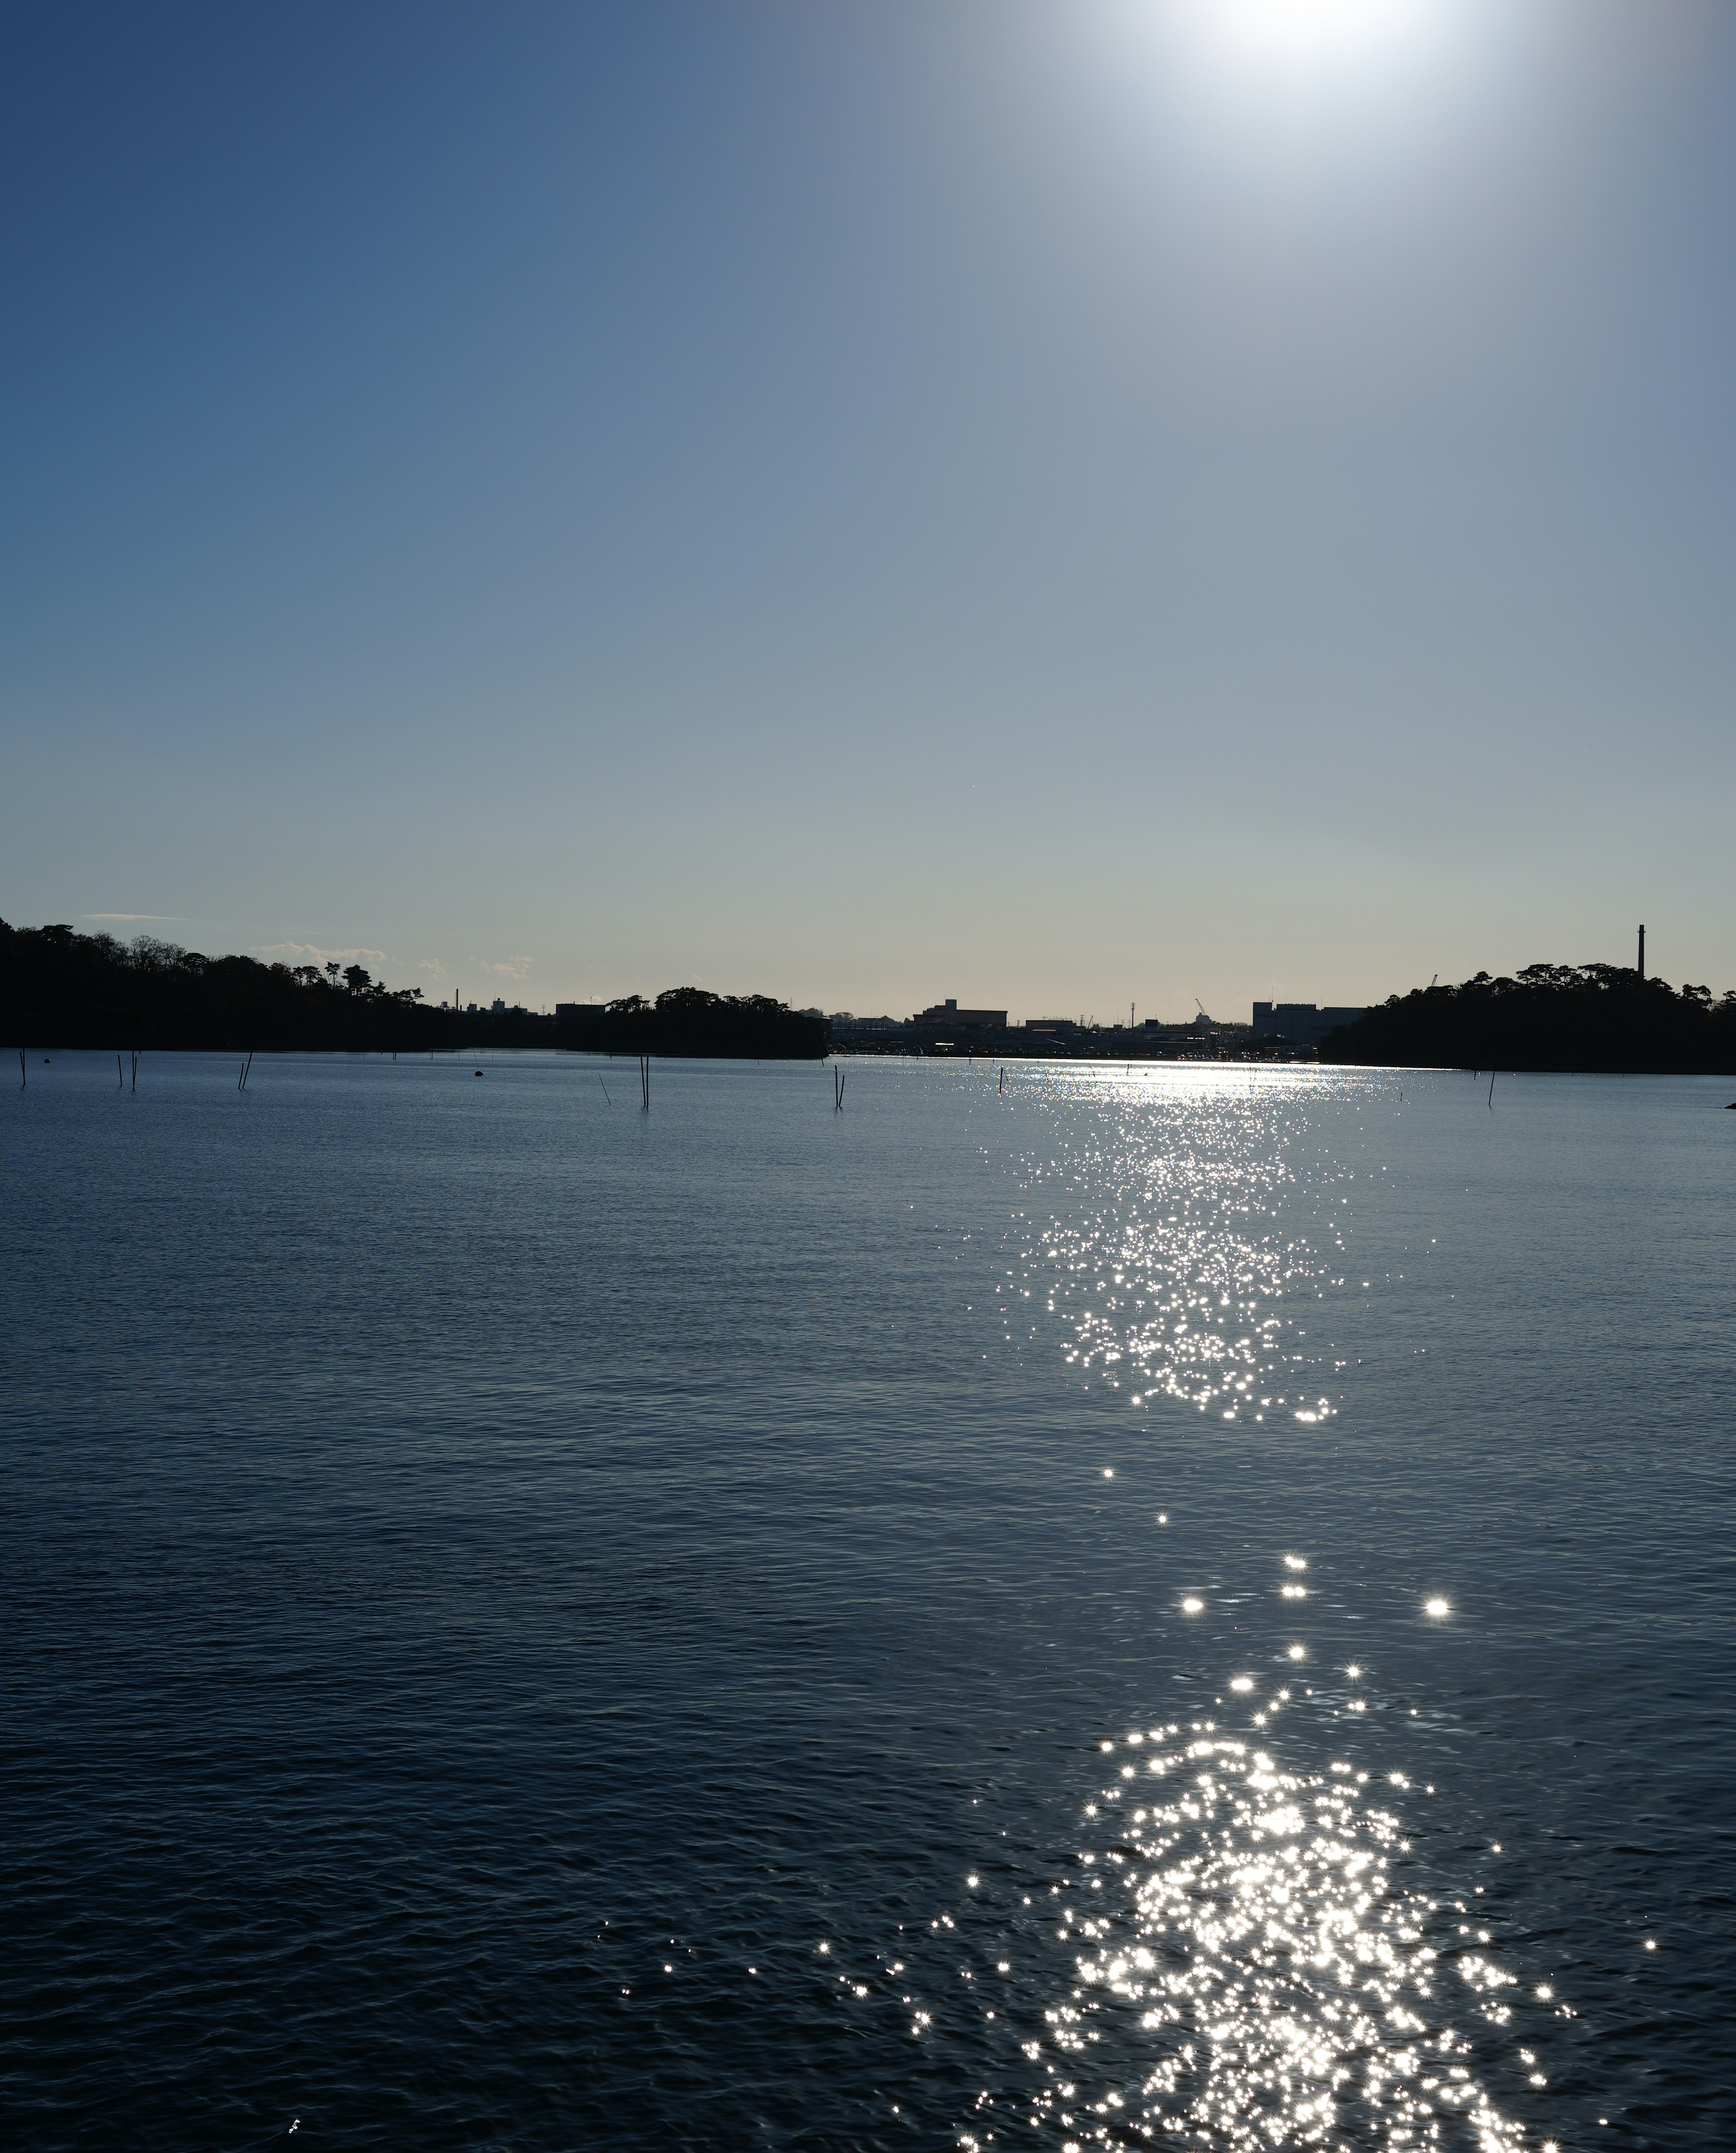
pixel 948 1013
pixel 847 1026
pixel 1299 1024
pixel 498 1007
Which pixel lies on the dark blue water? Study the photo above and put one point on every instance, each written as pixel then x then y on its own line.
pixel 532 1624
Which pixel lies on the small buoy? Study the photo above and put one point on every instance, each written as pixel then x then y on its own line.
pixel 479 1072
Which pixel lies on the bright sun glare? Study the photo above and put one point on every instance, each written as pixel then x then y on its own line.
pixel 1305 32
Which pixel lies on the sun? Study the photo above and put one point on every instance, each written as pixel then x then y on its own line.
pixel 1311 32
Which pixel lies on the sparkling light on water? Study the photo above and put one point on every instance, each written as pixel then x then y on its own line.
pixel 1241 1954
pixel 1201 1277
pixel 1255 1950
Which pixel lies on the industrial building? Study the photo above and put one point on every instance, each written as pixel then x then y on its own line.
pixel 1299 1024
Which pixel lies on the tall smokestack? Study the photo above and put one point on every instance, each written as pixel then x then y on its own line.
pixel 1642 953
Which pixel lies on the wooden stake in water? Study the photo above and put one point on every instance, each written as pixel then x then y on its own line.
pixel 23 1081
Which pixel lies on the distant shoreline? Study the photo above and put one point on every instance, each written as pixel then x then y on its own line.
pixel 62 990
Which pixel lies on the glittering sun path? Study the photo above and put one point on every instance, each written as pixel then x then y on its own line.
pixel 1238 1927
pixel 1189 1240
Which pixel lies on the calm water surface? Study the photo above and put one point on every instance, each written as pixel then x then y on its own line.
pixel 531 1624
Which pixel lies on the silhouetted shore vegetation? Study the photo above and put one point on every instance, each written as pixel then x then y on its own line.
pixel 689 1020
pixel 1593 1017
pixel 58 988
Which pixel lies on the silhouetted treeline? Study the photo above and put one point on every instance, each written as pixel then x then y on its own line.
pixel 62 989
pixel 1602 1017
pixel 687 1020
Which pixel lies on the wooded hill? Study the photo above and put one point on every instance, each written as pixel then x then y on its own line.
pixel 1591 1017
pixel 58 988
pixel 687 1020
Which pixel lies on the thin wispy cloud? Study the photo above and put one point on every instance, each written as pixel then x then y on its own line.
pixel 308 953
pixel 136 915
pixel 509 968
pixel 435 971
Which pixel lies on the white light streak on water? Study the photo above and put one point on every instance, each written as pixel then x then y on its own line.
pixel 1193 1234
pixel 1256 1957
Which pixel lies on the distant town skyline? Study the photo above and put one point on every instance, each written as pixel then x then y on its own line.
pixel 1058 504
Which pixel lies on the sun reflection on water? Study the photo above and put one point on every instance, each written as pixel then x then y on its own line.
pixel 1240 1947
pixel 1242 1950
pixel 1191 1280
pixel 1257 1955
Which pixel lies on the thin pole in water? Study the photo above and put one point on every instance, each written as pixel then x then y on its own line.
pixel 136 1068
pixel 1491 1088
pixel 23 1081
pixel 605 1090
pixel 119 1075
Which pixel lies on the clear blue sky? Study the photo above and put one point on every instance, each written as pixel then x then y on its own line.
pixel 1056 505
